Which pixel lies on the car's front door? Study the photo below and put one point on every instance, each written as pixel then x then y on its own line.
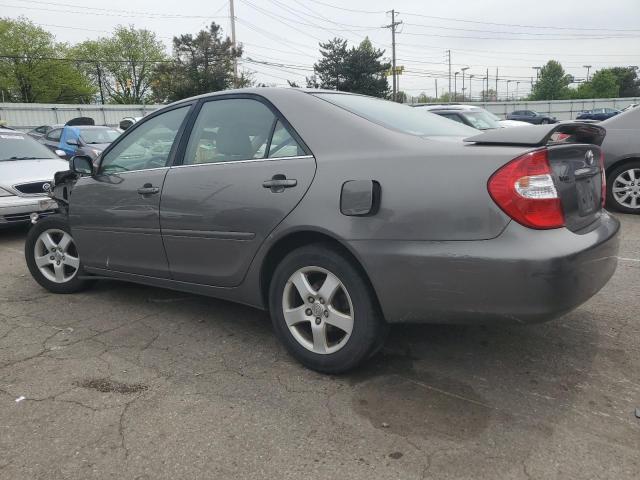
pixel 114 214
pixel 243 170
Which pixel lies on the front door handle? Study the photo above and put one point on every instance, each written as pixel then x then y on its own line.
pixel 148 189
pixel 279 182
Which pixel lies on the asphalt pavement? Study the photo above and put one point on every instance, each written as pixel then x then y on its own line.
pixel 130 382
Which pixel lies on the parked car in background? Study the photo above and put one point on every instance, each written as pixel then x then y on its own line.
pixel 531 116
pixel 630 106
pixel 26 173
pixel 621 149
pixel 87 140
pixel 597 114
pixel 126 122
pixel 469 115
pixel 42 130
pixel 337 213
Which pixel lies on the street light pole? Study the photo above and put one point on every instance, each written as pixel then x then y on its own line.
pixel 233 42
pixel 464 69
pixel 517 88
pixel 470 96
pixel 455 86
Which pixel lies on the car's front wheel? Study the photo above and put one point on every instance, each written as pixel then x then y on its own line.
pixel 623 189
pixel 52 256
pixel 323 310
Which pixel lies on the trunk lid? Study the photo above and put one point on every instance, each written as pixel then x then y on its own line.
pixel 575 159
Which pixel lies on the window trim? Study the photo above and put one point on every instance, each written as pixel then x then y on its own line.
pixel 178 159
pixel 128 131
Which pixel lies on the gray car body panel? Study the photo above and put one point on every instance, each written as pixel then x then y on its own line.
pixel 623 137
pixel 437 235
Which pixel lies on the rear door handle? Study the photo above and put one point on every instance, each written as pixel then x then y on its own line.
pixel 148 189
pixel 279 182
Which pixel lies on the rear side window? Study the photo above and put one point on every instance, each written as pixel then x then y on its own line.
pixel 451 116
pixel 54 134
pixel 283 144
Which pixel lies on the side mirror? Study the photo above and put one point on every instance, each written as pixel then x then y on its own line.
pixel 72 141
pixel 81 164
pixel 61 153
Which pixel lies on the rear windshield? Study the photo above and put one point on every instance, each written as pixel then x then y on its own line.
pixel 397 116
pixel 99 135
pixel 17 146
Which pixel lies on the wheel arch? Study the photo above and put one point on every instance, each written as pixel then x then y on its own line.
pixel 621 162
pixel 299 238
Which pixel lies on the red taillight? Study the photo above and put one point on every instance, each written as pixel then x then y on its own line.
pixel 603 175
pixel 524 189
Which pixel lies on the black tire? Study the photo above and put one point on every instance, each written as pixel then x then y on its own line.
pixel 612 203
pixel 54 222
pixel 369 328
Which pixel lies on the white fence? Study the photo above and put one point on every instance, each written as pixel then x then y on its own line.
pixel 25 116
pixel 561 109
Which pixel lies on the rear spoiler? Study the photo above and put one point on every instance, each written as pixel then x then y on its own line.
pixel 541 135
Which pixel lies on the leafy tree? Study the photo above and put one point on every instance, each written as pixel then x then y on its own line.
pixel 35 68
pixel 553 83
pixel 202 63
pixel 331 69
pixel 358 69
pixel 627 80
pixel 604 85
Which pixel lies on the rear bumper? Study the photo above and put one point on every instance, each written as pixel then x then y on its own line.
pixel 14 209
pixel 522 276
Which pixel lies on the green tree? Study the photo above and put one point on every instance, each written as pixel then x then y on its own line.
pixel 331 69
pixel 202 63
pixel 552 84
pixel 35 68
pixel 604 84
pixel 124 64
pixel 365 72
pixel 358 69
pixel 627 80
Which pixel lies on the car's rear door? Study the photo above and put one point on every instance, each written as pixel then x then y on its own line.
pixel 52 139
pixel 114 214
pixel 242 171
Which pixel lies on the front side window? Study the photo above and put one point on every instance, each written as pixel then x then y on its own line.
pixel 54 134
pixel 396 116
pixel 229 130
pixel 148 146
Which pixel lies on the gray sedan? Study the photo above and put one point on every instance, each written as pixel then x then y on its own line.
pixel 340 214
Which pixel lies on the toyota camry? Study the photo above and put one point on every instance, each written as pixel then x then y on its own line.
pixel 340 214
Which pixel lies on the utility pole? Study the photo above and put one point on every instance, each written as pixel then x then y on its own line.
pixel 470 96
pixel 496 84
pixel 100 83
pixel 449 57
pixel 486 91
pixel 233 41
pixel 393 26
pixel 517 88
pixel 588 67
pixel 508 82
pixel 436 89
pixel 537 69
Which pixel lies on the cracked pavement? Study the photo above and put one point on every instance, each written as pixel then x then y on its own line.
pixel 209 392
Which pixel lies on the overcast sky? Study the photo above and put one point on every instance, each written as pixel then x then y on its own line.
pixel 511 35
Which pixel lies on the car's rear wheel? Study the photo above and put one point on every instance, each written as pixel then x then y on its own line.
pixel 52 256
pixel 623 189
pixel 323 310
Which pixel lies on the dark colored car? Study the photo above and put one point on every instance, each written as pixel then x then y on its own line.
pixel 42 130
pixel 338 213
pixel 621 149
pixel 86 140
pixel 598 114
pixel 531 116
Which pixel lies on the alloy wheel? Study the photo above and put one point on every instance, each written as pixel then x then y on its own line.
pixel 56 256
pixel 626 188
pixel 318 310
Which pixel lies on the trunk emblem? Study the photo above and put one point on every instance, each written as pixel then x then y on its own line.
pixel 589 158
